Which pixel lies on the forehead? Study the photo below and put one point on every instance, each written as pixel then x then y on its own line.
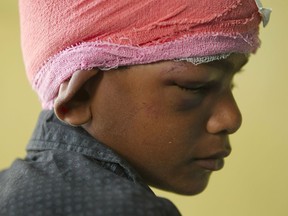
pixel 185 70
pixel 230 65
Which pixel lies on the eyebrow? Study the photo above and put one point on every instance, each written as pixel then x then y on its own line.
pixel 227 65
pixel 124 67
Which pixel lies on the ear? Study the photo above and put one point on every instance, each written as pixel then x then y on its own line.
pixel 72 104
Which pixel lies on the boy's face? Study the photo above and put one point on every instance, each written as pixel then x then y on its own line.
pixel 169 120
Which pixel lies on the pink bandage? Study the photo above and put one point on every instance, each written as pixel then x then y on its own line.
pixel 61 37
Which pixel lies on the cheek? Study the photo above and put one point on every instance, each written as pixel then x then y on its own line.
pixel 164 131
pixel 185 101
pixel 173 118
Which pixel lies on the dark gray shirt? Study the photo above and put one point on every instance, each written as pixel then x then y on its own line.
pixel 68 172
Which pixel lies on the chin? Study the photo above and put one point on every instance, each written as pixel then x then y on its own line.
pixel 190 191
pixel 187 188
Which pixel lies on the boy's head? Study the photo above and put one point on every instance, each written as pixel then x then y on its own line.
pixel 170 120
pixel 151 79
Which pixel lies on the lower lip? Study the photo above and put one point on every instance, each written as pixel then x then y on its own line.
pixel 210 164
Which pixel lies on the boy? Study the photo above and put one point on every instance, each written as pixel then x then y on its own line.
pixel 134 94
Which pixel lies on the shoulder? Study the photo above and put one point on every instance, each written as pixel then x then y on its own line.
pixel 75 187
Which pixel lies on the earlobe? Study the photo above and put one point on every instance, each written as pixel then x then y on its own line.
pixel 72 104
pixel 75 117
pixel 75 111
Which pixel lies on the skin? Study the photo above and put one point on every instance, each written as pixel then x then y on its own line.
pixel 170 120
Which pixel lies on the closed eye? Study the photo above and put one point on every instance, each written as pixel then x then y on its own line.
pixel 197 88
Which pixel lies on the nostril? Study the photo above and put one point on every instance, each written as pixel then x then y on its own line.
pixel 226 117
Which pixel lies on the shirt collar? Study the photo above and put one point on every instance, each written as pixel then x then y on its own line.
pixel 52 134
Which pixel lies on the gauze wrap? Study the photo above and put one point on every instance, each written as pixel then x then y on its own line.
pixel 64 36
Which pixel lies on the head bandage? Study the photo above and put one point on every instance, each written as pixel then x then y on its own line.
pixel 62 37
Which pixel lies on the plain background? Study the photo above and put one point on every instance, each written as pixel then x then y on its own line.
pixel 254 181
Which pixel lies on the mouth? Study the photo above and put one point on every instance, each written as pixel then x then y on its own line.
pixel 213 162
pixel 210 164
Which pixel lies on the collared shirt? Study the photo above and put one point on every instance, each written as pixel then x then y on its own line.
pixel 68 172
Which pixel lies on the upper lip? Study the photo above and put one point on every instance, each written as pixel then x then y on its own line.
pixel 216 155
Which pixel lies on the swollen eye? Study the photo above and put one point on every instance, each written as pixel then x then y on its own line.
pixel 196 88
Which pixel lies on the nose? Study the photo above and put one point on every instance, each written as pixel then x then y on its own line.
pixel 225 116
